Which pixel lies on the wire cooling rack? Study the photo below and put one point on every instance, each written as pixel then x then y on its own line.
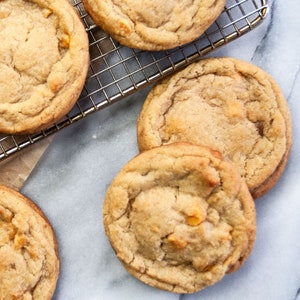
pixel 117 71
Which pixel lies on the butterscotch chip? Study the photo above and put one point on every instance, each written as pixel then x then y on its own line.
pixel 29 262
pixel 44 58
pixel 179 217
pixel 228 105
pixel 154 25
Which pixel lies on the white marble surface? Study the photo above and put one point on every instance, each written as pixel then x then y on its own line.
pixel 70 181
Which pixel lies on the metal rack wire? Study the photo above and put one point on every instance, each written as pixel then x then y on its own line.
pixel 117 71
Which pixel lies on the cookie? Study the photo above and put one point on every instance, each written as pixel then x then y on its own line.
pixel 154 25
pixel 180 217
pixel 44 58
pixel 29 262
pixel 228 105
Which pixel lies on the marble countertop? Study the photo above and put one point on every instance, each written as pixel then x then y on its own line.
pixel 70 181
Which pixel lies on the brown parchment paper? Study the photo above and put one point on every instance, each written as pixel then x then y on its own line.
pixel 15 170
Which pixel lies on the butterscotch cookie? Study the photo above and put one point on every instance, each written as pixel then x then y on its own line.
pixel 29 263
pixel 179 217
pixel 44 59
pixel 228 105
pixel 154 25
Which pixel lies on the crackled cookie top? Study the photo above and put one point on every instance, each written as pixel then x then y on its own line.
pixel 179 217
pixel 43 63
pixel 29 263
pixel 226 104
pixel 154 25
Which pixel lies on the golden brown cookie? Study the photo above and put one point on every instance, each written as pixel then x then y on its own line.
pixel 44 58
pixel 179 217
pixel 228 105
pixel 154 25
pixel 29 262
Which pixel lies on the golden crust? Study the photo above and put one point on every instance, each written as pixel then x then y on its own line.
pixel 226 104
pixel 29 261
pixel 180 217
pixel 154 25
pixel 44 58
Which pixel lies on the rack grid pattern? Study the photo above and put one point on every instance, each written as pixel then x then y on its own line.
pixel 116 71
